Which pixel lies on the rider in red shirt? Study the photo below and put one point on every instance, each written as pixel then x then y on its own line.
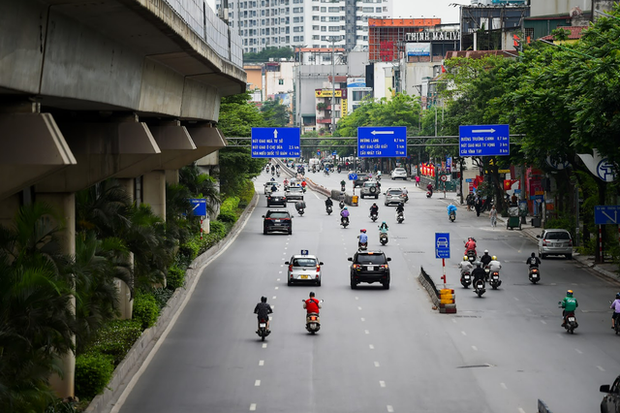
pixel 303 184
pixel 312 305
pixel 470 245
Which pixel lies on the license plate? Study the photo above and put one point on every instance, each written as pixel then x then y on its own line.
pixel 495 277
pixel 277 220
pixel 371 268
pixel 571 319
pixel 263 325
pixel 304 277
pixel 466 277
pixel 313 325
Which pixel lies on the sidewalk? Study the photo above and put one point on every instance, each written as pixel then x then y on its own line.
pixel 609 270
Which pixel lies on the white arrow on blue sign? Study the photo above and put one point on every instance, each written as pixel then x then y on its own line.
pixel 199 207
pixel 484 140
pixel 606 214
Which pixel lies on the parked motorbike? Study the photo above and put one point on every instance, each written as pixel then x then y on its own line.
pixel 400 217
pixel 494 280
pixel 262 330
pixel 374 217
pixel 383 237
pixel 344 222
pixel 479 287
pixel 328 210
pixel 452 216
pixel 570 321
pixel 466 279
pixel 534 275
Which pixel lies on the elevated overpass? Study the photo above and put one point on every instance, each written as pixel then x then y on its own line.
pixel 110 88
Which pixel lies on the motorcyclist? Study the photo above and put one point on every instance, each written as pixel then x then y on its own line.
pixel 363 238
pixel 451 208
pixel 263 310
pixel 478 273
pixel 569 305
pixel 494 265
pixel 470 245
pixel 486 258
pixel 429 188
pixel 300 205
pixel 274 187
pixel 329 202
pixel 312 305
pixel 465 266
pixel 616 307
pixel 273 169
pixel 343 184
pixel 344 214
pixel 533 261
pixel 374 209
pixel 400 208
pixel 303 184
pixel 383 227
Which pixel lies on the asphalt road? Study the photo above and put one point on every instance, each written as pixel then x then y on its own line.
pixel 382 350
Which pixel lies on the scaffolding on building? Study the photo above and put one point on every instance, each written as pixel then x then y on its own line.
pixel 387 37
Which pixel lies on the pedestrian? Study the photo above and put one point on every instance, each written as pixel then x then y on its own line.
pixel 513 200
pixel 478 205
pixel 417 180
pixel 493 215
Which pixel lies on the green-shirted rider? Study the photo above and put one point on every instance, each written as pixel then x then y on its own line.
pixel 569 305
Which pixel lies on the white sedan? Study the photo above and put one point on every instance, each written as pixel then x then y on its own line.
pixel 304 268
pixel 399 173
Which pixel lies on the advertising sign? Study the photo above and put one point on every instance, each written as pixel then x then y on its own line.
pixel 418 49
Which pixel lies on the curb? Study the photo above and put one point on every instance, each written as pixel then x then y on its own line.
pixel 141 349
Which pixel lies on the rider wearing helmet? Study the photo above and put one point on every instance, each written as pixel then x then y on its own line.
pixel 374 209
pixel 383 226
pixel 533 261
pixel 486 258
pixel 363 237
pixel 616 307
pixel 263 310
pixel 465 266
pixel 400 207
pixel 494 264
pixel 344 214
pixel 312 305
pixel 569 305
pixel 328 202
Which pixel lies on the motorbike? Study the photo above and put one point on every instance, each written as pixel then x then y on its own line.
pixel 278 174
pixel 313 322
pixel 300 211
pixel 339 169
pixel 374 216
pixel 344 222
pixel 341 204
pixel 303 189
pixel 471 256
pixel 452 216
pixel 326 172
pixel 400 217
pixel 362 246
pixel 534 275
pixel 383 237
pixel 479 287
pixel 494 280
pixel 429 194
pixel 466 279
pixel 262 330
pixel 328 209
pixel 342 188
pixel 570 321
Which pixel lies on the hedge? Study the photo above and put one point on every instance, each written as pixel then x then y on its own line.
pixel 93 371
pixel 116 338
pixel 145 310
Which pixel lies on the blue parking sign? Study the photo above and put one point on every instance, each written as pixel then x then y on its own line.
pixel 442 245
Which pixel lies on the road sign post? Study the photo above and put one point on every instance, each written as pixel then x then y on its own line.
pixel 382 142
pixel 276 143
pixel 442 250
pixel 484 140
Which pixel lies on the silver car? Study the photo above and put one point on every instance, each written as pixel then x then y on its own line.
pixel 395 196
pixel 555 242
pixel 304 268
pixel 295 193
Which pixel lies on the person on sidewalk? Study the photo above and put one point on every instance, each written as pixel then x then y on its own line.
pixel 478 206
pixel 616 307
pixel 417 180
pixel 493 215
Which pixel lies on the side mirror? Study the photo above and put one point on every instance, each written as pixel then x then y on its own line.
pixel 389 259
pixel 263 216
pixel 604 388
pixel 320 263
pixel 350 259
pixel 538 236
pixel 287 263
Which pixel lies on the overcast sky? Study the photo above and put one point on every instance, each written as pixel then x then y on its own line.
pixel 419 8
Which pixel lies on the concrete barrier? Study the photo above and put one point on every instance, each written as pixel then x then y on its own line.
pixel 444 300
pixel 141 349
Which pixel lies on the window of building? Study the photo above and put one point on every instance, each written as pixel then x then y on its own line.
pixel 298 9
pixel 315 37
pixel 315 18
pixel 298 29
pixel 334 28
pixel 323 9
pixel 367 9
pixel 323 28
pixel 315 27
pixel 334 18
pixel 333 9
pixel 280 81
pixel 315 8
pixel 378 9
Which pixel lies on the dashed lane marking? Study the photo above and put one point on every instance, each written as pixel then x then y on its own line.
pixel 257 383
pixel 578 351
pixel 377 364
pixel 521 410
pixel 503 386
pixel 381 383
pixel 474 348
pixel 454 320
pixel 371 346
pixel 516 299
pixel 464 333
pixel 363 319
pixel 359 308
pixel 273 298
pixel 600 368
pixel 253 407
pixel 543 321
pixel 390 409
pixel 261 362
pixel 264 345
pixel 366 332
pixel 529 309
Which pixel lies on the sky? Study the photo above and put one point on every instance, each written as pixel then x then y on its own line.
pixel 419 8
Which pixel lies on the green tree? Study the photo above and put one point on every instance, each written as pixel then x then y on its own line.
pixel 275 114
pixel 270 52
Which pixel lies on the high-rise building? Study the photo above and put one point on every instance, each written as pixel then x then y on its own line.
pixel 303 23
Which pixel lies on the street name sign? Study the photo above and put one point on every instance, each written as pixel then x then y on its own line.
pixel 484 140
pixel 606 214
pixel 442 245
pixel 276 143
pixel 382 142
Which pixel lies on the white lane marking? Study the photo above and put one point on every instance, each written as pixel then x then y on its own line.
pixel 366 332
pixel 277 288
pixel 357 298
pixel 464 333
pixel 503 386
pixel 271 317
pixel 285 247
pixel 543 321
pixel 521 410
pixel 363 319
pixel 261 362
pixel 529 309
pixel 279 272
pixel 371 346
pixel 381 383
pixel 253 407
pixel 390 409
pixel 272 307
pixel 257 383
pixel 454 320
pixel 600 368
pixel 516 298
pixel 264 345
pixel 359 308
pixel 376 364
pixel 474 348
pixel 578 351
pixel 283 258
pixel 273 298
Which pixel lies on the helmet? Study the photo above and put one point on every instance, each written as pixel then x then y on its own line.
pixel 363 231
pixel 569 292
pixel 533 254
pixel 617 295
pixel 311 294
pixel 383 222
pixel 345 208
pixel 478 264
pixel 486 251
pixel 263 299
pixel 465 258
pixel 494 258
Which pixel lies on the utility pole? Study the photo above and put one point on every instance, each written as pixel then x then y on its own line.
pixel 333 128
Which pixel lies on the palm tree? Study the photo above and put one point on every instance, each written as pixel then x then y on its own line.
pixel 201 186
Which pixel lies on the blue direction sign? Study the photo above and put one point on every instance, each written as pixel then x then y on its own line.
pixel 382 142
pixel 484 140
pixel 606 214
pixel 276 143
pixel 442 245
pixel 199 207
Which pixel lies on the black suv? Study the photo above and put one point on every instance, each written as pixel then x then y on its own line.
pixel 277 220
pixel 360 180
pixel 370 267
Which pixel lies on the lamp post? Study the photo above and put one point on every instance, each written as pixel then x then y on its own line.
pixel 333 123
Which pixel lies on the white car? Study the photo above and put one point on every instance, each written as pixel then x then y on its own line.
pixel 304 268
pixel 399 173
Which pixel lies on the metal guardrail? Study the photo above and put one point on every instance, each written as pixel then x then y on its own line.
pixel 214 31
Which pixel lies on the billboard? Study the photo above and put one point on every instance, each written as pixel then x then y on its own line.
pixel 418 49
pixel 356 82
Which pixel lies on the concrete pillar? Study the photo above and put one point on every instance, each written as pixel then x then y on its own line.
pixel 154 192
pixel 125 301
pixel 8 209
pixel 172 177
pixel 65 204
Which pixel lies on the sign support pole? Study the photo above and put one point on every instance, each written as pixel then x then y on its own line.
pixel 443 264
